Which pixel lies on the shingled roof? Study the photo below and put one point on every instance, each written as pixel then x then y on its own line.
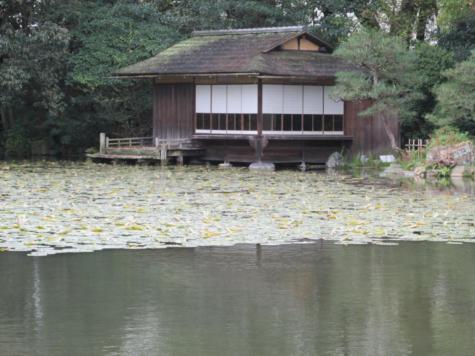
pixel 245 51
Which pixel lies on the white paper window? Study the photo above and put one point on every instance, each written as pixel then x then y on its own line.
pixel 218 99
pixel 234 99
pixel 249 99
pixel 331 107
pixel 293 99
pixel 272 98
pixel 203 98
pixel 313 100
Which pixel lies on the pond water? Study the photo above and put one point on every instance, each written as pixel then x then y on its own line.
pixel 417 298
pixel 57 207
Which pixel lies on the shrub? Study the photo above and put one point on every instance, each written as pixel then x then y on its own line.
pixel 409 160
pixel 448 136
pixel 92 150
pixel 17 142
pixel 440 170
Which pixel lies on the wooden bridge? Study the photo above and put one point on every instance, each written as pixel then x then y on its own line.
pixel 145 149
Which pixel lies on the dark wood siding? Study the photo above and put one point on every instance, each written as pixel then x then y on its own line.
pixel 276 150
pixel 369 136
pixel 173 110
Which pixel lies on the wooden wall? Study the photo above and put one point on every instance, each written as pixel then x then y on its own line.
pixel 173 118
pixel 173 110
pixel 276 150
pixel 369 136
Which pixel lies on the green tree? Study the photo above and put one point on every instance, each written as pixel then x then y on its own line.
pixel 431 62
pixel 456 97
pixel 32 68
pixel 385 74
pixel 56 61
pixel 107 36
pixel 450 11
pixel 459 37
pixel 408 18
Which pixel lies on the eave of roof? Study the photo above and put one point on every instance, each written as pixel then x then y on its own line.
pixel 226 51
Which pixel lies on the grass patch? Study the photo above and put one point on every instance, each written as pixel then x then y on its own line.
pixel 357 162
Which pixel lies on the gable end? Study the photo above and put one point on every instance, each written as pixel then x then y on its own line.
pixel 303 41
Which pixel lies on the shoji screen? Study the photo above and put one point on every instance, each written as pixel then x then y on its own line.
pixel 234 99
pixel 203 98
pixel 219 99
pixel 313 100
pixel 226 108
pixel 249 98
pixel 272 99
pixel 293 99
pixel 332 107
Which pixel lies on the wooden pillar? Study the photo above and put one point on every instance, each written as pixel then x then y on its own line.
pixel 260 122
pixel 180 160
pixel 102 142
pixel 163 154
pixel 155 122
pixel 260 118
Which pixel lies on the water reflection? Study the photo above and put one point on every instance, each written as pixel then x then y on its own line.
pixel 453 185
pixel 415 298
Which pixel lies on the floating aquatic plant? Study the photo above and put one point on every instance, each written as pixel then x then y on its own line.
pixel 49 208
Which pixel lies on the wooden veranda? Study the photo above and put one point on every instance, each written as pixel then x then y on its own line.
pixel 145 149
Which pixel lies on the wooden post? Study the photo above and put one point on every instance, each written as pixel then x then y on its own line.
pixel 258 149
pixel 102 142
pixel 163 154
pixel 260 122
pixel 180 160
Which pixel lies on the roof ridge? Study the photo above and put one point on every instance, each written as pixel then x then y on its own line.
pixel 241 31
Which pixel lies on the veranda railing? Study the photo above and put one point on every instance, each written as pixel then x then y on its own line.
pixel 135 142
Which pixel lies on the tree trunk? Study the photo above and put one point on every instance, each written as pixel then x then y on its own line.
pixel 390 133
pixel 4 119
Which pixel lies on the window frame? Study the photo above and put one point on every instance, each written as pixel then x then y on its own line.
pixel 277 119
pixel 237 117
pixel 290 129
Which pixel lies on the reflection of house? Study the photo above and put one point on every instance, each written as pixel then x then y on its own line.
pixel 255 94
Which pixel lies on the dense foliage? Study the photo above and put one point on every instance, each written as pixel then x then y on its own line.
pixel 460 36
pixel 456 96
pixel 57 56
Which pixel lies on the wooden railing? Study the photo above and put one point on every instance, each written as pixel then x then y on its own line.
pixel 417 144
pixel 129 142
pixel 136 142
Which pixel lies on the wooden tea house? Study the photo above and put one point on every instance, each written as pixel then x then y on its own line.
pixel 248 95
